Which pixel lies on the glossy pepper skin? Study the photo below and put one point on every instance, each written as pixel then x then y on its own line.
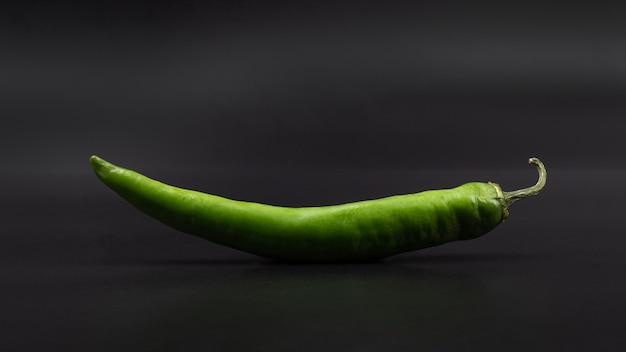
pixel 360 231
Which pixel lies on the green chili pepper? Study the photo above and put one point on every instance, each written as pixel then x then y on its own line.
pixel 360 231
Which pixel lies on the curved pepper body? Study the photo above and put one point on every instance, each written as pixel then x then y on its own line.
pixel 359 231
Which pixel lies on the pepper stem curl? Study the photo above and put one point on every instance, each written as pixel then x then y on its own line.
pixel 513 196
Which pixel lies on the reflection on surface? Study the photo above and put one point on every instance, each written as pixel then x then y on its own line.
pixel 373 306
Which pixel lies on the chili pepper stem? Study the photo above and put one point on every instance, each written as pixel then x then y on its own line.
pixel 513 196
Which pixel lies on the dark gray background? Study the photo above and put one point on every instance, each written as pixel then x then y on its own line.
pixel 311 103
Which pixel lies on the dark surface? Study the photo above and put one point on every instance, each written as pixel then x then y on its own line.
pixel 82 270
pixel 295 104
